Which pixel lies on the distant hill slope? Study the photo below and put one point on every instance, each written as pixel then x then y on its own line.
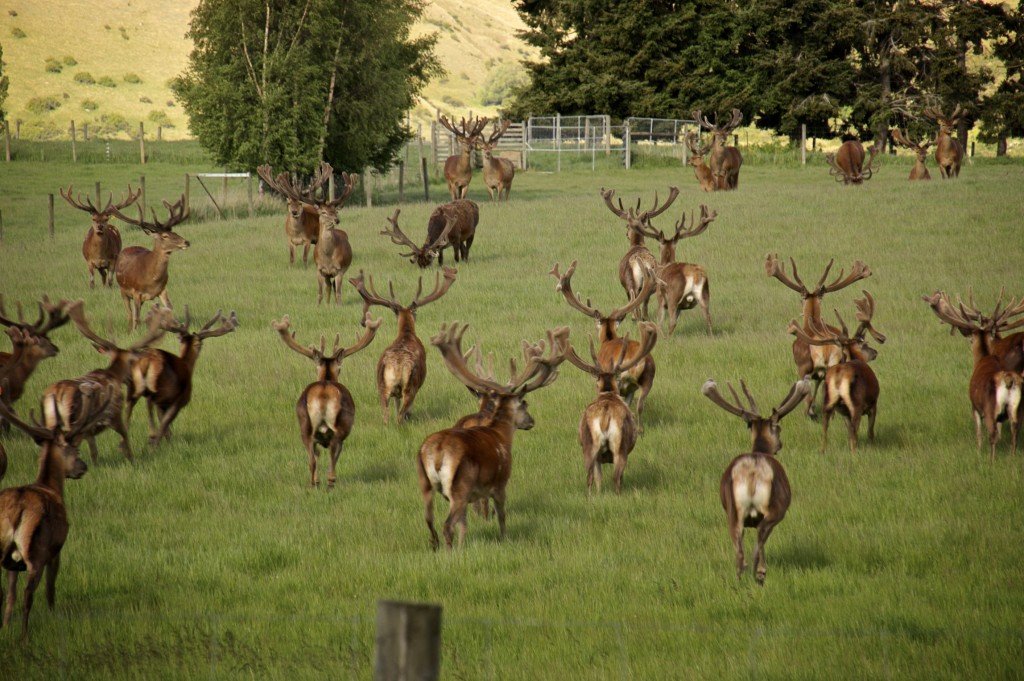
pixel 130 49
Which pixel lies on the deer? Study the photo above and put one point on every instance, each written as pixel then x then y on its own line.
pixel 421 256
pixel 607 430
pixel 847 165
pixel 467 464
pixel 996 393
pixel 31 346
pixel 498 172
pixel 301 228
pixel 754 489
pixel 639 379
pixel 165 379
pixel 325 409
pixel 681 285
pixel 33 518
pixel 638 265
pixel 142 272
pixel 402 367
pixel 466 215
pixel 705 177
pixel 102 242
pixel 949 152
pixel 333 253
pixel 64 402
pixel 851 387
pixel 920 149
pixel 458 169
pixel 814 360
pixel 725 161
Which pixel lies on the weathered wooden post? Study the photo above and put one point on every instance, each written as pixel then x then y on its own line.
pixel 142 198
pixel 74 152
pixel 17 129
pixel 187 204
pixel 142 144
pixel 408 645
pixel 224 190
pixel 248 181
pixel 367 179
pixel 803 144
pixel 85 132
pixel 50 213
pixel 426 182
pixel 7 140
pixel 627 138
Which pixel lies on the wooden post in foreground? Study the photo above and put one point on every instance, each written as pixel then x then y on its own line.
pixel 426 181
pixel 50 208
pixel 142 197
pixel 142 144
pixel 7 140
pixel 74 151
pixel 408 642
pixel 803 144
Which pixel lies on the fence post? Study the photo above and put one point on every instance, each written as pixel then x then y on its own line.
pixel 17 129
pixel 74 152
pixel 85 132
pixel 248 182
pixel 401 181
pixel 187 204
pixel 419 139
pixel 408 642
pixel 224 190
pixel 142 144
pixel 803 144
pixel 558 140
pixel 628 139
pixel 142 195
pixel 7 139
pixel 49 201
pixel 426 183
pixel 367 179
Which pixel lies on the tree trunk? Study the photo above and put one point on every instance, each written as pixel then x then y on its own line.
pixel 1001 145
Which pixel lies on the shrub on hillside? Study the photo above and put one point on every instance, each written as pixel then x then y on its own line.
pixel 85 78
pixel 500 82
pixel 17 32
pixel 111 124
pixel 107 81
pixel 41 105
pixel 89 105
pixel 124 32
pixel 69 60
pixel 160 117
pixel 145 100
pixel 53 65
pixel 41 130
pixel 132 78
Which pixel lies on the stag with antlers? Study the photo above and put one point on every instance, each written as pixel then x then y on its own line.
pixel 851 387
pixel 402 367
pixel 607 430
pixel 725 160
pixel 458 169
pixel 847 165
pixel 705 177
pixel 640 377
pixel 103 241
pixel 498 172
pixel 638 265
pixel 31 346
pixel 754 488
pixel 949 152
pixel 333 253
pixel 920 149
pixel 997 394
pixel 325 409
pixel 165 379
pixel 142 272
pixel 467 464
pixel 423 255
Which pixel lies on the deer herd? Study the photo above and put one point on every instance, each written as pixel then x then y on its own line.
pixel 470 463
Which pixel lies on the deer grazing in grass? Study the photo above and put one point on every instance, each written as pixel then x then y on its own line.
pixel 33 518
pixel 851 387
pixel 402 367
pixel 142 272
pixel 949 152
pixel 920 149
pixel 458 169
pixel 466 215
pixel 423 255
pixel 681 285
pixel 847 165
pixel 754 488
pixel 640 377
pixel 996 393
pixel 30 347
pixel 468 464
pixel 65 402
pixel 638 265
pixel 498 172
pixel 705 177
pixel 102 242
pixel 607 430
pixel 325 409
pixel 165 379
pixel 814 360
pixel 333 253
pixel 725 161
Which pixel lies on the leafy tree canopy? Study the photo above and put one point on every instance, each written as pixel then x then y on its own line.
pixel 4 83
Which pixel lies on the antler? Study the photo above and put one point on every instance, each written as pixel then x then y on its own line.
pixel 282 328
pixel 371 297
pixel 857 272
pixel 836 171
pixel 796 395
pixel 418 254
pixel 648 338
pixel 155 319
pixel 696 228
pixel 777 269
pixel 496 135
pixel 650 284
pixel 871 166
pixel 469 130
pixel 565 287
pixel 348 183
pixel 865 311
pixel 710 390
pixel 51 316
pixel 371 326
pixel 283 184
pixel 178 212
pixel 440 288
pixel 693 144
pixel 89 208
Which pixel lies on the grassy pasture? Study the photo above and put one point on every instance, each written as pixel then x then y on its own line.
pixel 211 557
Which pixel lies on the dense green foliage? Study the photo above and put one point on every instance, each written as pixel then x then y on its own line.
pixel 298 83
pixel 1003 112
pixel 4 86
pixel 211 558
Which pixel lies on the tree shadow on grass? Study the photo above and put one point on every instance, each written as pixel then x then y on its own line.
pixel 801 556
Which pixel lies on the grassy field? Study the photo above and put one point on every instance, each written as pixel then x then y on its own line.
pixel 211 557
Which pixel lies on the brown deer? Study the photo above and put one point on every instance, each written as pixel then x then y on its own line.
pixel 31 346
pixel 725 161
pixel 142 272
pixel 949 152
pixel 333 253
pixel 640 377
pixel 458 169
pixel 996 394
pixel 325 409
pixel 498 172
pixel 165 379
pixel 65 402
pixel 681 285
pixel 467 464
pixel 402 367
pixel 847 165
pixel 33 518
pixel 919 171
pixel 814 360
pixel 754 488
pixel 301 228
pixel 103 241
pixel 851 387
pixel 423 255
pixel 705 177
pixel 638 265
pixel 466 214
pixel 607 430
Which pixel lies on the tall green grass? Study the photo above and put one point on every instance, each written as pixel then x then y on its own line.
pixel 211 557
